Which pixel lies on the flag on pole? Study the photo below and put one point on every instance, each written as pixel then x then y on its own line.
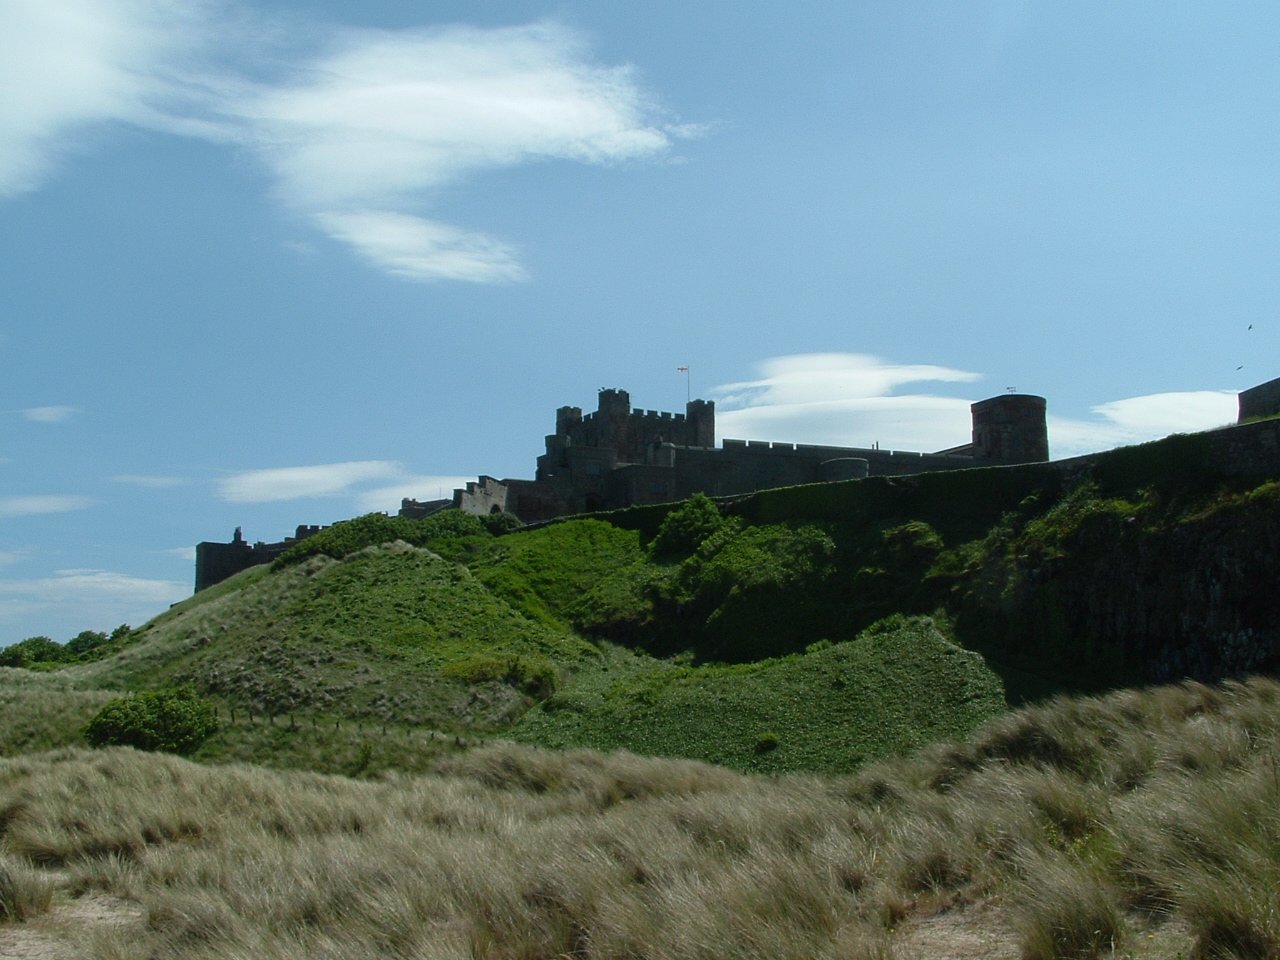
pixel 682 369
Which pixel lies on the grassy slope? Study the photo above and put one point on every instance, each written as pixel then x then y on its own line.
pixel 885 693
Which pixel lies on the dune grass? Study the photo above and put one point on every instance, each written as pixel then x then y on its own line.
pixel 1142 824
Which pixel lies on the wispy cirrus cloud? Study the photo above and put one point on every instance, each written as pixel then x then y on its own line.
pixel 70 599
pixel 78 63
pixel 416 487
pixel 361 132
pixel 30 506
pixel 297 483
pixel 55 414
pixel 363 135
pixel 373 484
pixel 418 249
pixel 147 481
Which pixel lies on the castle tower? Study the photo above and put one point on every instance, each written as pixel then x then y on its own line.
pixel 1010 428
pixel 566 419
pixel 701 416
pixel 1260 401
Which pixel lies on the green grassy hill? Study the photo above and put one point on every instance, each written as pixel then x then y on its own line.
pixel 811 628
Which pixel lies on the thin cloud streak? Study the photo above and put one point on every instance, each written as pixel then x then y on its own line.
pixel 55 414
pixel 428 487
pixel 297 483
pixel 95 596
pixel 147 481
pixel 416 249
pixel 30 506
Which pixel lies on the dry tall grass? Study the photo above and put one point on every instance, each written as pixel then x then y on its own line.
pixel 1084 827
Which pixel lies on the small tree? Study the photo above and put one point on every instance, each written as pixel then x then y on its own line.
pixel 175 721
pixel 32 650
pixel 685 527
pixel 84 641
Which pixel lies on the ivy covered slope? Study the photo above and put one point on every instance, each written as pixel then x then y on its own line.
pixel 809 628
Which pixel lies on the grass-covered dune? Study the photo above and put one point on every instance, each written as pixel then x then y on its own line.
pixel 1140 824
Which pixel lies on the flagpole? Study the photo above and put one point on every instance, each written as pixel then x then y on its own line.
pixel 688 391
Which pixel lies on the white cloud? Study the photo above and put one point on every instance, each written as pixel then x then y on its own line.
pixel 389 118
pixel 1139 419
pixel 89 597
pixel 359 137
pixel 388 115
pixel 9 557
pixel 147 481
pixel 418 249
pixel 74 63
pixel 296 483
pixel 49 414
pixel 35 505
pixel 432 487
pixel 182 553
pixel 844 399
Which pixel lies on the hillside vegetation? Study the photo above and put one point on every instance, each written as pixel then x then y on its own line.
pixel 812 628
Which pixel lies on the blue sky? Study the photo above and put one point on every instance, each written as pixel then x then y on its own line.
pixel 269 263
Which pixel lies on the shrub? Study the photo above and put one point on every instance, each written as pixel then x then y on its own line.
pixel 33 650
pixel 175 721
pixel 685 527
pixel 500 523
pixel 766 741
pixel 86 640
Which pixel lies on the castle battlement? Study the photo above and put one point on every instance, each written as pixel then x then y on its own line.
pixel 617 456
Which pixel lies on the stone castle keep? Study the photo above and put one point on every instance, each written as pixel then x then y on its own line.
pixel 618 457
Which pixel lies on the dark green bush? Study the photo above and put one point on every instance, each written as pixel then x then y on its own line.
pixel 500 523
pixel 685 528
pixel 175 721
pixel 33 650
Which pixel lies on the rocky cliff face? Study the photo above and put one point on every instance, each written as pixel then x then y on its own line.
pixel 1160 590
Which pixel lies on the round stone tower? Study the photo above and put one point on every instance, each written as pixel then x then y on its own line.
pixel 1010 428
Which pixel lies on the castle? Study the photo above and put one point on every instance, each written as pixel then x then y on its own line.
pixel 617 456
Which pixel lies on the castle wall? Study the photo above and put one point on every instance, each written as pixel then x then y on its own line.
pixel 217 561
